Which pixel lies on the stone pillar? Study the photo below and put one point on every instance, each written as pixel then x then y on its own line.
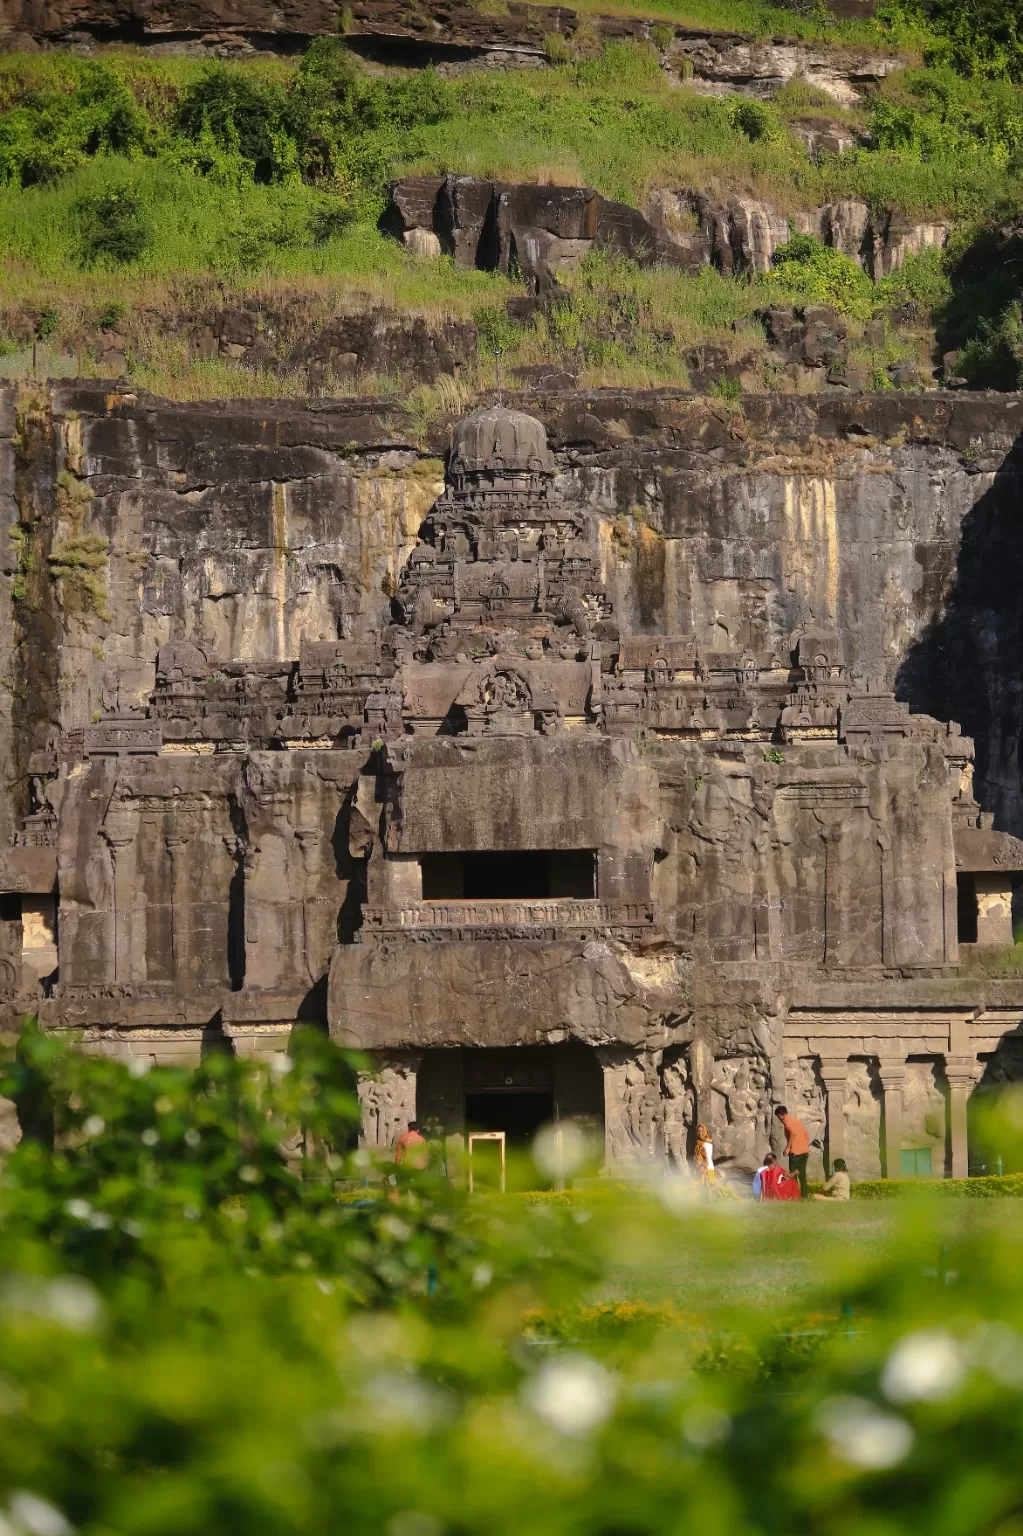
pixel 892 1071
pixel 387 1097
pixel 962 1074
pixel 835 1076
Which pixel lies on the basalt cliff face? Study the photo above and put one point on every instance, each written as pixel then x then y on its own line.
pixel 622 749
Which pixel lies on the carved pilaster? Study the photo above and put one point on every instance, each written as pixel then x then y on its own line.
pixel 962 1073
pixel 176 843
pixel 892 1071
pixel 120 831
pixel 834 1075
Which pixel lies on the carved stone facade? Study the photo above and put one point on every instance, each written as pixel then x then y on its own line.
pixel 534 859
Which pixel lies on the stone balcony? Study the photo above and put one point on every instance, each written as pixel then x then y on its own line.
pixel 533 919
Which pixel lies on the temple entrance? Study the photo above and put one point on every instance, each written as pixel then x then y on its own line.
pixel 514 1089
pixel 519 1115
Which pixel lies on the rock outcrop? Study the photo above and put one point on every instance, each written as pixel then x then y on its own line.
pixel 536 232
pixel 543 231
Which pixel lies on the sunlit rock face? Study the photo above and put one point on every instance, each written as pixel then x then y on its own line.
pixel 613 757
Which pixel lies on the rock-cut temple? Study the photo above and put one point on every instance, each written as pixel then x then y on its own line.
pixel 536 858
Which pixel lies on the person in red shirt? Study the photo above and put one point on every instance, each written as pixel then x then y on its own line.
pixel 797 1146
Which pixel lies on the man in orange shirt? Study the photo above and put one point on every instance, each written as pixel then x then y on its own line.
pixel 797 1145
pixel 412 1149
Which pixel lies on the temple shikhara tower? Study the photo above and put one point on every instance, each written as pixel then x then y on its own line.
pixel 542 845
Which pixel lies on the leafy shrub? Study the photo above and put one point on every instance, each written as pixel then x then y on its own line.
pixel 922 282
pixel 753 119
pixel 496 331
pixel 991 1187
pixel 57 129
pixel 113 227
pixel 229 116
pixel 815 273
pixel 198 1332
pixel 975 37
pixel 323 108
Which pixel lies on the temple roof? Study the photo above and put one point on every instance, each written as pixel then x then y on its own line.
pixel 499 438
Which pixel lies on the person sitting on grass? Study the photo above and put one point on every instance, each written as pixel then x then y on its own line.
pixel 773 1183
pixel 837 1187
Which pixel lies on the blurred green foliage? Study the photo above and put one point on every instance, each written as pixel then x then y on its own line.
pixel 197 1333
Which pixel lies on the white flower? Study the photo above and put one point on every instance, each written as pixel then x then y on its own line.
pixel 138 1066
pixel 560 1150
pixel 923 1367
pixel 704 1425
pixel 94 1126
pixel 150 1136
pixel 400 1400
pixel 998 1349
pixel 281 1065
pixel 396 1228
pixel 574 1394
pixel 81 1210
pixel 192 1212
pixel 413 1522
pixel 73 1303
pixel 192 1137
pixel 100 1221
pixel 28 1512
pixel 863 1434
pixel 482 1276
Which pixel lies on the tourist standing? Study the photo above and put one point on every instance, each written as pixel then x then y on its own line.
pixel 797 1146
pixel 411 1149
pixel 703 1156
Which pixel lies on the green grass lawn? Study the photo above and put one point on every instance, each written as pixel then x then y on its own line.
pixel 741 1257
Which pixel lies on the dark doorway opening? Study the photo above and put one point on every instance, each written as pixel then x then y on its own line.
pixel 527 875
pixel 966 909
pixel 519 1115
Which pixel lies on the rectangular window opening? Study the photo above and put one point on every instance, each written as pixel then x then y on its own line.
pixel 526 875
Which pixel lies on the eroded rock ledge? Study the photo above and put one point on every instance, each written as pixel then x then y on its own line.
pixel 450 35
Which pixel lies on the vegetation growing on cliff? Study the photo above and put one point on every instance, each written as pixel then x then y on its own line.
pixel 128 176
